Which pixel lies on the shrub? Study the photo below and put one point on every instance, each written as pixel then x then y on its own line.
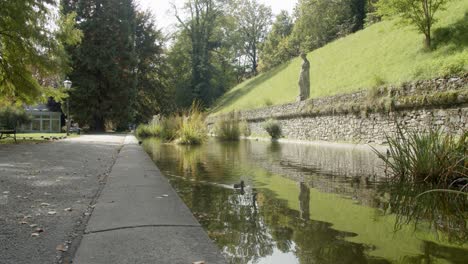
pixel 267 102
pixel 426 157
pixel 227 127
pixel 272 128
pixel 11 117
pixel 192 130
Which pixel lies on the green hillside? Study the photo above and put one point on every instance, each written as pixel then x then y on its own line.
pixel 384 53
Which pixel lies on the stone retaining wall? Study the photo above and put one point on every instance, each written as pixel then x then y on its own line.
pixel 368 116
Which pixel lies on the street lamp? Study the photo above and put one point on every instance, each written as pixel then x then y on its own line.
pixel 67 83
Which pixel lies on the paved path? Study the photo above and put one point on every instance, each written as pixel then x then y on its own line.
pixel 36 179
pixel 140 219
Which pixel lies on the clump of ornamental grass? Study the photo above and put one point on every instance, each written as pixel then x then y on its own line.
pixel 192 129
pixel 227 127
pixel 170 126
pixel 428 180
pixel 244 128
pixel 429 157
pixel 273 128
pixel 148 130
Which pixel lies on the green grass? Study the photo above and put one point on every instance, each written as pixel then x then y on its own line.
pixel 36 137
pixel 383 53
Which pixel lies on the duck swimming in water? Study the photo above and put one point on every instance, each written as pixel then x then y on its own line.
pixel 240 185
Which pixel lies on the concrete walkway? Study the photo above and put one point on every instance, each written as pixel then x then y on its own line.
pixel 140 219
pixel 46 193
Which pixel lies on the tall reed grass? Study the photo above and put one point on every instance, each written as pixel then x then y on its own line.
pixel 429 156
pixel 227 127
pixel 186 128
pixel 192 129
pixel 428 181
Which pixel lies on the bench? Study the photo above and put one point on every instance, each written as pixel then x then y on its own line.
pixel 7 133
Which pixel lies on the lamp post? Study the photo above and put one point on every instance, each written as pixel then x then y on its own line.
pixel 67 83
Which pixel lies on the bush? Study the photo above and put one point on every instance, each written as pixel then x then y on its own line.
pixel 11 117
pixel 426 157
pixel 227 127
pixel 272 128
pixel 192 130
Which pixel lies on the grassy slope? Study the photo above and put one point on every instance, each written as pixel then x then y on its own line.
pixel 381 53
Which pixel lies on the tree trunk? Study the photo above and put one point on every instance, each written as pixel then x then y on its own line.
pixel 427 40
pixel 98 124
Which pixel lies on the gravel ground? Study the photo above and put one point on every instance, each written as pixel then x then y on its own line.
pixel 47 192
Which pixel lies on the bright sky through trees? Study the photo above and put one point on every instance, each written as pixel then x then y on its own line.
pixel 165 15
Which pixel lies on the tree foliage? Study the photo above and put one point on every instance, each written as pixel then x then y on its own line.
pixel 200 27
pixel 104 65
pixel 202 56
pixel 154 95
pixel 320 21
pixel 32 38
pixel 253 20
pixel 275 50
pixel 418 13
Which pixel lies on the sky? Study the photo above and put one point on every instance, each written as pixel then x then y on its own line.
pixel 162 9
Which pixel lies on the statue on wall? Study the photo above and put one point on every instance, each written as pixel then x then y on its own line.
pixel 304 79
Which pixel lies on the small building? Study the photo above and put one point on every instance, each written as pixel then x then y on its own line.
pixel 42 120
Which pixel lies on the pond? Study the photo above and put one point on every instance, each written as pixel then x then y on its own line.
pixel 304 204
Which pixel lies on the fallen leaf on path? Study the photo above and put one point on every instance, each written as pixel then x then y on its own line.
pixel 39 230
pixel 60 248
pixel 35 234
pixel 165 195
pixel 199 262
pixel 68 209
pixel 51 212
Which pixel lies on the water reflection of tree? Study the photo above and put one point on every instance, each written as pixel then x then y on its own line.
pixel 445 213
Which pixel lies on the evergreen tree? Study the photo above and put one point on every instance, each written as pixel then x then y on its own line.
pixel 153 93
pixel 104 64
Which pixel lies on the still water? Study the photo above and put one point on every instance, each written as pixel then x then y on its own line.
pixel 305 204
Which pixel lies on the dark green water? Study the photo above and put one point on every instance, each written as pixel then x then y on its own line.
pixel 306 204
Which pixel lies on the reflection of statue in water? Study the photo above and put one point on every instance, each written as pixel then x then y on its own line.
pixel 304 79
pixel 304 201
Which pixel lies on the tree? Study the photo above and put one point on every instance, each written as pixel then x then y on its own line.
pixel 31 47
pixel 253 20
pixel 202 18
pixel 418 13
pixel 319 22
pixel 153 93
pixel 104 65
pixel 275 49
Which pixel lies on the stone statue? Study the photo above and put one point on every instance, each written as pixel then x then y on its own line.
pixel 304 79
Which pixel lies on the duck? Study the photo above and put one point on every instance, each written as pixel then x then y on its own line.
pixel 240 185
